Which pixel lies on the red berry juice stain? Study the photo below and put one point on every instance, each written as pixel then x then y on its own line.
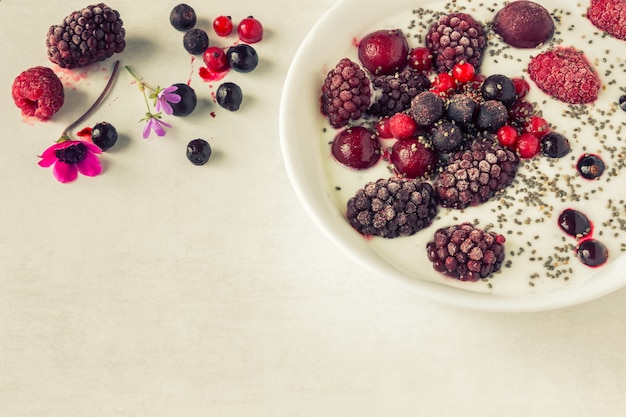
pixel 208 75
pixel 213 114
pixel 85 133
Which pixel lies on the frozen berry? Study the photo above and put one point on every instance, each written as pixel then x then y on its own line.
pixel 521 87
pixel 196 41
pixel 524 24
pixel 421 59
pixel 356 147
pixel 446 137
pixel 592 252
pixel 609 16
pixel 250 30
pixel 383 128
pixel 183 17
pixel 402 126
pixel 507 136
pixel 384 52
pixel 229 96
pixel 574 223
pixel 520 112
pixel 499 87
pixel 188 100
pixel 492 115
pixel 104 135
pixel 223 25
pixel 393 93
pixel 528 145
pixel 590 166
pixel 555 145
pixel 38 92
pixel 345 93
pixel 463 72
pixel 461 109
pixel 538 126
pixel 411 158
pixel 215 59
pixel 242 58
pixel 198 151
pixel 427 108
pixel 443 84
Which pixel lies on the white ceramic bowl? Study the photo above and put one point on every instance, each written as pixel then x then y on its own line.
pixel 305 161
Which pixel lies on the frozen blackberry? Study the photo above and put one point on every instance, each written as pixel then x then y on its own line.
pixel 188 100
pixel 499 87
pixel 465 252
pixel 345 93
pixel 472 176
pixel 461 109
pixel 393 207
pixel 91 34
pixel 196 41
pixel 183 17
pixel 242 58
pixel 397 91
pixel 446 137
pixel 427 108
pixel 492 115
pixel 454 38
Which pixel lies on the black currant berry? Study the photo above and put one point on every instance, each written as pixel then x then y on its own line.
pixel 590 166
pixel 104 135
pixel 242 58
pixel 188 100
pixel 183 17
pixel 555 145
pixel 446 137
pixel 499 87
pixel 492 115
pixel 198 151
pixel 593 252
pixel 229 96
pixel 574 223
pixel 622 102
pixel 196 41
pixel 461 109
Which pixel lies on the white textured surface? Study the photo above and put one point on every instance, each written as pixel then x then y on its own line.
pixel 165 289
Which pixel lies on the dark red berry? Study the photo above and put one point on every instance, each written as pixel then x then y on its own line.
pixel 507 136
pixel 421 59
pixel 528 145
pixel 384 52
pixel 223 25
pixel 590 166
pixel 383 128
pixel 592 252
pixel 463 72
pixel 524 24
pixel 402 126
pixel 412 159
pixel 356 147
pixel 250 30
pixel 574 223
pixel 521 87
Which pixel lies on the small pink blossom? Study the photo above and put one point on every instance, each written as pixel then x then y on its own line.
pixel 70 157
pixel 165 97
pixel 155 124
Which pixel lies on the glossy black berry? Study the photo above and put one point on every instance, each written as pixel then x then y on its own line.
pixel 196 41
pixel 590 166
pixel 242 58
pixel 198 151
pixel 592 252
pixel 461 109
pixel 229 96
pixel 499 87
pixel 574 223
pixel 188 100
pixel 104 135
pixel 555 145
pixel 492 115
pixel 183 17
pixel 446 137
pixel 622 102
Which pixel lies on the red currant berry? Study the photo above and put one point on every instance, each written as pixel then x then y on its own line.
pixel 538 126
pixel 402 126
pixel 507 136
pixel 215 59
pixel 383 128
pixel 223 25
pixel 521 87
pixel 250 30
pixel 528 145
pixel 443 84
pixel 463 72
pixel 421 59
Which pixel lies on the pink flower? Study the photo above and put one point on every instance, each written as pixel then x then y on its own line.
pixel 165 97
pixel 155 124
pixel 70 157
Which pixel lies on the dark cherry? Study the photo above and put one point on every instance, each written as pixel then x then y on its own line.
pixel 410 158
pixel 590 166
pixel 574 223
pixel 356 147
pixel 384 52
pixel 524 24
pixel 592 252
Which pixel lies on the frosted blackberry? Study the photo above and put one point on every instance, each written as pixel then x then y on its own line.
pixel 345 93
pixel 397 91
pixel 474 175
pixel 454 38
pixel 393 207
pixel 465 252
pixel 91 34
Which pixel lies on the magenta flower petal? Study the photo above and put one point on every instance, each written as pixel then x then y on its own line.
pixel 47 161
pixel 65 172
pixel 90 166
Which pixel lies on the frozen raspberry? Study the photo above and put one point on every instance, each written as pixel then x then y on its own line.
pixel 565 74
pixel 384 52
pixel 609 16
pixel 466 252
pixel 397 91
pixel 454 38
pixel 474 175
pixel 524 24
pixel 91 34
pixel 38 92
pixel 345 93
pixel 392 207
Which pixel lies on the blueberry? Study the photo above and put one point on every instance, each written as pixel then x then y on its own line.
pixel 183 17
pixel 242 58
pixel 461 109
pixel 499 87
pixel 492 115
pixel 590 166
pixel 198 151
pixel 188 100
pixel 104 135
pixel 229 96
pixel 555 145
pixel 196 41
pixel 446 137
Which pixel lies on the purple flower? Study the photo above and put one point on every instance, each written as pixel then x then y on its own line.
pixel 155 124
pixel 70 157
pixel 165 97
